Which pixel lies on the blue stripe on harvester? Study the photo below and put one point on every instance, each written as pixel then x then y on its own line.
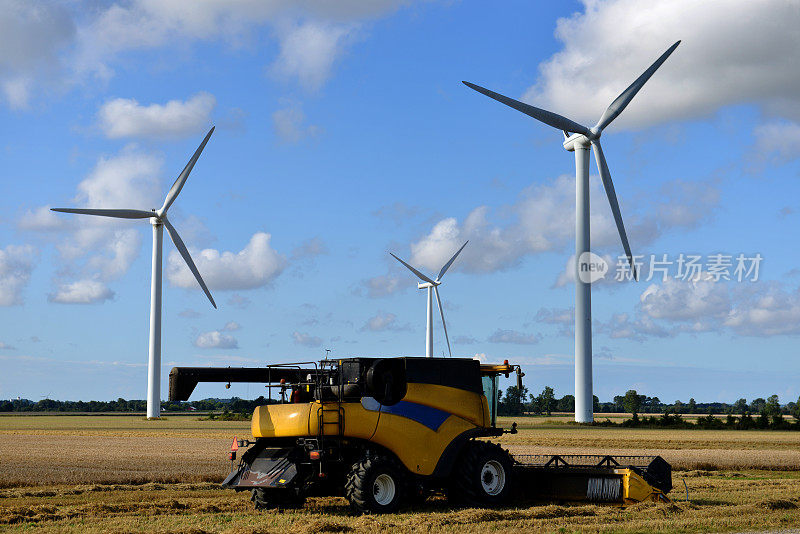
pixel 425 415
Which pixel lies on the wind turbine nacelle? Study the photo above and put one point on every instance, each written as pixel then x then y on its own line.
pixel 425 285
pixel 576 139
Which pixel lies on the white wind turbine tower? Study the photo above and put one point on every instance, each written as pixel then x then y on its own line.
pixel 579 143
pixel 158 218
pixel 429 284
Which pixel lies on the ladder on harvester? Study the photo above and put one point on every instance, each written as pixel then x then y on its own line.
pixel 330 416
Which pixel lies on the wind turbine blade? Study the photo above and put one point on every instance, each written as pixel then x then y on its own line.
pixel 605 175
pixel 618 105
pixel 441 312
pixel 413 270
pixel 548 117
pixel 449 263
pixel 178 185
pixel 173 233
pixel 119 214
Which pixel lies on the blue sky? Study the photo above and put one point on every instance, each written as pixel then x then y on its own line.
pixel 343 133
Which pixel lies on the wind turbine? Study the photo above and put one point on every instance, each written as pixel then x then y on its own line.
pixel 429 284
pixel 579 143
pixel 158 218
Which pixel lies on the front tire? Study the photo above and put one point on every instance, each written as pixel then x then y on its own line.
pixel 375 484
pixel 483 476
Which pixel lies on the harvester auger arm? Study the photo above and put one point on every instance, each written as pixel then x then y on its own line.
pixel 183 380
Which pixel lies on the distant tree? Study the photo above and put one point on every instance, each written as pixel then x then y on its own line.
pixel 566 404
pixel 514 401
pixel 595 404
pixel 740 406
pixel 692 406
pixel 678 407
pixel 547 400
pixel 757 405
pixel 632 402
pixel 773 405
pixel 772 409
pixel 654 404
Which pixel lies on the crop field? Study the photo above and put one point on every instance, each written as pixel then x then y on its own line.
pixel 121 474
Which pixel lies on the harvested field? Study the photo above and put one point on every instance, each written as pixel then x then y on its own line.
pixel 121 474
pixel 719 502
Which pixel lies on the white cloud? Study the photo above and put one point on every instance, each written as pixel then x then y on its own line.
pixel 97 250
pixel 379 286
pixel 564 318
pixel 701 302
pixel 770 313
pixel 677 306
pixel 216 340
pixel 45 44
pixel 17 92
pixel 256 265
pixel 127 118
pixel 81 292
pixel 382 321
pixel 729 55
pixel 289 124
pixel 41 219
pixel 555 315
pixel 623 326
pixel 514 337
pixel 231 326
pixel 307 340
pixel 6 346
pixel 779 140
pixel 16 265
pixel 543 220
pixel 308 51
pixel 33 33
pixel 239 301
pixel 310 248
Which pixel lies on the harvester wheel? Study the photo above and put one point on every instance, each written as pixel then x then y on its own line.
pixel 267 499
pixel 483 475
pixel 375 485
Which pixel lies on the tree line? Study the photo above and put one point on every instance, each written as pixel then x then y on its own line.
pixel 520 402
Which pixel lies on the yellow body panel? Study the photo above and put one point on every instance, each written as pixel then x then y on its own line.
pixel 465 404
pixel 281 420
pixel 635 489
pixel 417 446
pixel 302 420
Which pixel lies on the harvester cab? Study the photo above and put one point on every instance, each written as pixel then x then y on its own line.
pixel 380 431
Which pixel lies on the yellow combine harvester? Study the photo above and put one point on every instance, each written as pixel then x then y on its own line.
pixel 388 431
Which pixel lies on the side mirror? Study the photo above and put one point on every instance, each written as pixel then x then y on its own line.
pixel 520 374
pixel 386 381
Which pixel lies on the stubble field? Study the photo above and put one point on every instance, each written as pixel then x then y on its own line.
pixel 118 473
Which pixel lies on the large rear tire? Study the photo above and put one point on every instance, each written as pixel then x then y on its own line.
pixel 483 475
pixel 376 484
pixel 269 499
